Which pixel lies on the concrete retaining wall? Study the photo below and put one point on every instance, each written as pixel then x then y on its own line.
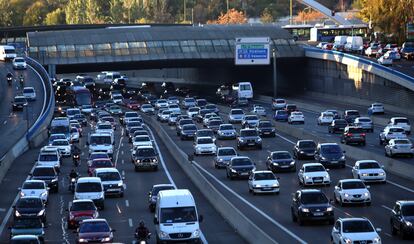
pixel 391 166
pixel 19 148
pixel 244 226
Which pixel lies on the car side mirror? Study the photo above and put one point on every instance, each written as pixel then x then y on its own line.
pixel 19 188
pixel 200 218
pixel 378 229
pixel 30 174
pixel 156 221
pixel 344 151
pixel 327 170
pixel 368 187
pixel 113 230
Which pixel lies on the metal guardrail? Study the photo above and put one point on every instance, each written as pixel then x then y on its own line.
pixel 46 110
pixel 363 61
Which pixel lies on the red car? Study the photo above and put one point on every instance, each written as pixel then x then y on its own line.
pixel 99 163
pixel 80 210
pixel 96 231
pixel 131 104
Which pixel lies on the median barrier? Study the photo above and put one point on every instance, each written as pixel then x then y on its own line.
pixel 242 224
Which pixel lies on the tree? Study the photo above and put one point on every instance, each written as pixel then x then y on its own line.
pixel 56 17
pixel 116 11
pixel 200 13
pixel 36 13
pixel 160 12
pixel 266 16
pixel 19 8
pixel 76 12
pixel 304 16
pixel 6 16
pixel 232 17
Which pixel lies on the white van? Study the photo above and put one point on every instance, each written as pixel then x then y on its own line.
pixel 90 188
pixel 243 89
pixel 7 53
pixel 340 40
pixel 176 217
pixel 354 44
pixel 111 76
pixel 101 142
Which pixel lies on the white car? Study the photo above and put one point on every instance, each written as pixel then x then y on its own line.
pixel 259 110
pixel 161 103
pixel 376 108
pixel 354 230
pixel 35 188
pixel 86 109
pixel 325 118
pixel 226 131
pixel 250 121
pixel 236 116
pixel 278 103
pixel 394 55
pixel 49 156
pixel 365 123
pixel 369 170
pixel 63 146
pixel 209 117
pixel 401 122
pixel 74 135
pixel 29 93
pixel 385 61
pixel 314 174
pixel 19 63
pixel 147 108
pixel 104 127
pixel 193 111
pixel 139 141
pixel 399 147
pixel 263 182
pixel 352 191
pixel 117 98
pixel 204 145
pixel 174 108
pixel 391 132
pixel 296 117
pixel 372 51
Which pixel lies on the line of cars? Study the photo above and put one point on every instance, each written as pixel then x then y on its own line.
pixel 307 204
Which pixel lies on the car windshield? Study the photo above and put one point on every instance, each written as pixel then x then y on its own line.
pixel 402 121
pixel 88 187
pixel 364 120
pixel 74 130
pixel 226 152
pixel 33 185
pixel 331 149
pixel 93 227
pixel 340 122
pixel 178 215
pixel 205 141
pixel 265 124
pixel 20 99
pixel 355 130
pixel 189 127
pixel 146 106
pixel 226 127
pixel 189 100
pixel 60 143
pixel 237 111
pixel 281 155
pixel 54 137
pixel 352 113
pixel 100 140
pixel 314 168
pixel 407 210
pixel 353 185
pixel 48 157
pixel 145 152
pixel 355 226
pixel 248 133
pixel 201 102
pixel 406 142
pixel 400 130
pixel 29 203
pixel 241 162
pixel 281 112
pixel 105 127
pixel 313 198
pixel 166 112
pixel 59 129
pixel 109 119
pixel 28 90
pixel 141 138
pixel 73 111
pixel 193 109
pixel 307 144
pixel 27 223
pixel 109 176
pixel 131 115
pixel 47 171
pixel 264 176
pixel 98 155
pixel 82 206
pixel 369 165
pixel 215 122
pixel 186 121
pixel 101 163
pixel 204 133
pixel 134 124
pixel 155 190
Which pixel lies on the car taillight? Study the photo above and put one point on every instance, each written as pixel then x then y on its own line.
pixel 363 134
pixel 348 134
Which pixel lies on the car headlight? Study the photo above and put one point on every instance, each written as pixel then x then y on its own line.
pixel 347 240
pixel 22 194
pixel 106 239
pixel 17 214
pixel 366 194
pixel 233 171
pixel 377 240
pixel 346 195
pixel 54 180
pixel 382 174
pixel 329 209
pixel 275 185
pixel 305 210
pixel 259 139
pixel 408 223
pixel 162 234
pixel 257 185
pixel 275 164
pixel 41 212
pixel 292 163
pixel 307 177
pixel 120 184
pixel 364 174
pixel 323 158
pixel 343 157
pixel 241 140
pixel 220 160
pixel 154 160
pixel 82 240
pixel 43 194
pixel 196 233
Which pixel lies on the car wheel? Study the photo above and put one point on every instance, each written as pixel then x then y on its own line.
pixel 294 218
pixel 227 174
pixel 331 221
pixel 300 221
pixel 368 204
pixel 393 229
pixel 391 155
pixel 250 190
pixel 341 203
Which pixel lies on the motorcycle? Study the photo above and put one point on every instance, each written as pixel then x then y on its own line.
pixel 21 80
pixel 76 158
pixel 9 80
pixel 142 240
pixel 72 184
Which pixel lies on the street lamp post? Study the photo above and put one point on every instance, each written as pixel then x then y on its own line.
pixel 274 73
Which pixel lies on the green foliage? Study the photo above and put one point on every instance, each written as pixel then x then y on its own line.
pixel 6 16
pixel 36 13
pixel 56 17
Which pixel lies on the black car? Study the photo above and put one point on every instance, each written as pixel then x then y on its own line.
pixel 289 108
pixel 214 125
pixel 330 154
pixel 265 128
pixel 201 103
pixel 281 161
pixel 240 167
pixel 353 134
pixel 30 207
pixel 304 149
pixel 200 116
pixel 19 103
pixel 311 205
pixel 188 131
pixel 402 219
pixel 27 227
pixel 249 138
pixel 351 115
pixel 145 157
pixel 153 194
pixel 337 125
pixel 48 174
pixel 81 118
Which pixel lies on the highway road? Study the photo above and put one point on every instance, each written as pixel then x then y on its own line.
pixel 13 125
pixel 123 214
pixel 272 212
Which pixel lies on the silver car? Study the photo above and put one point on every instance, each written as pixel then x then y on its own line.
pixel 236 116
pixel 365 123
pixel 223 156
pixel 226 131
pixel 399 147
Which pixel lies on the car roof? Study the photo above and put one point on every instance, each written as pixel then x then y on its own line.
pixel 144 147
pixel 312 164
pixel 366 161
pixel 162 185
pixel 89 179
pixel 82 200
pixel 405 202
pixel 204 137
pixel 353 219
pixel 102 170
pixel 33 181
pixel 240 157
pixel 350 180
pixel 309 190
pixel 329 144
pixel 223 148
pixel 262 172
pixel 94 220
pixel 274 152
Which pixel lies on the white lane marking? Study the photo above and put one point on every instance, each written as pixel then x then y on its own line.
pixel 251 205
pixel 125 186
pixel 44 91
pixel 122 162
pixel 386 207
pixel 387 234
pixel 2 210
pixel 63 221
pixel 5 122
pixel 127 203
pixel 123 172
pixel 164 166
pixel 119 146
pixel 130 222
pixel 118 208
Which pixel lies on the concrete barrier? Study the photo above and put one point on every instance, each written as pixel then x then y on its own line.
pixel 244 226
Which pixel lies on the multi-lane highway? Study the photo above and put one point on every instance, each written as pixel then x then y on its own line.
pixel 13 125
pixel 272 212
pixel 123 214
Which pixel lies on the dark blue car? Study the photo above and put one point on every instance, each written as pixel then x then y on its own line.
pixel 281 115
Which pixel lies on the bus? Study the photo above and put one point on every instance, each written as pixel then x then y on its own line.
pixel 78 96
pixel 327 33
pixel 60 125
pixel 299 32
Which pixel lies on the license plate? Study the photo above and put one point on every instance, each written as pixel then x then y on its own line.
pixel 284 166
pixel 267 189
pixel 251 144
pixel 244 173
pixel 266 133
pixel 318 214
pixel 334 162
pixel 112 190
